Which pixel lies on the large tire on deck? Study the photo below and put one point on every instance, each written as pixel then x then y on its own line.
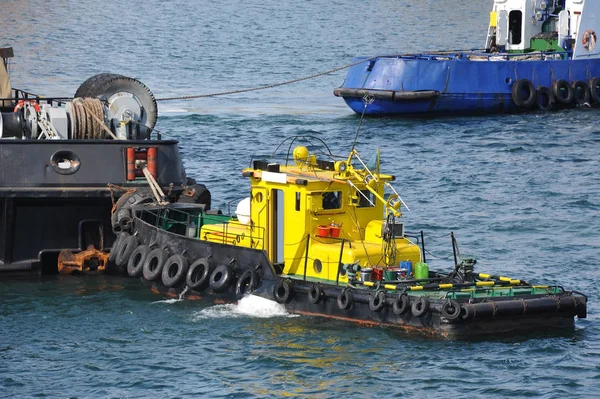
pixel 523 93
pixel 89 88
pixel 154 264
pixel 198 274
pixel 114 89
pixel 135 265
pixel 174 270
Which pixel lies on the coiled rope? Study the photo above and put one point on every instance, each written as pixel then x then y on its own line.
pixel 88 119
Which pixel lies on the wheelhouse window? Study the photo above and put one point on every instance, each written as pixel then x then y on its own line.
pixel 515 19
pixel 366 199
pixel 332 200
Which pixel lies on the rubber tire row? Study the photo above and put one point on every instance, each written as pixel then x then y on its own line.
pixel 283 292
pixel 175 270
pixel 525 95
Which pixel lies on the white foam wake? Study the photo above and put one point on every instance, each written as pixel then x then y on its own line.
pixel 249 306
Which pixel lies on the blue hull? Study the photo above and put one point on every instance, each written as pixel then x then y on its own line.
pixel 462 85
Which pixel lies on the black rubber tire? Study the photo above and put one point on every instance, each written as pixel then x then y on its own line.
pixel 401 304
pixel 133 86
pixel 314 294
pixel 128 245
pixel 90 86
pixel 451 310
pixel 198 274
pixel 563 92
pixel 344 300
pixel 174 271
pixel 544 99
pixel 420 306
pixel 523 93
pixel 283 291
pixel 581 92
pixel 154 264
pixel 246 283
pixel 115 247
pixel 135 265
pixel 467 312
pixel 594 85
pixel 377 302
pixel 221 278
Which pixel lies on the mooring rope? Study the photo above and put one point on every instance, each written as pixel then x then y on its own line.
pixel 316 75
pixel 264 87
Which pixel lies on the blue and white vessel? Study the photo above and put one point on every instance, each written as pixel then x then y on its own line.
pixel 539 54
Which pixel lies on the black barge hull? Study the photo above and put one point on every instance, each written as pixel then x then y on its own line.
pixel 47 207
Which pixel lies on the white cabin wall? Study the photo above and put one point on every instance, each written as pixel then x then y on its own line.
pixel 589 21
pixel 529 25
pixel 575 8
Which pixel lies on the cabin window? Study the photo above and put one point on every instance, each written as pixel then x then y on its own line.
pixel 514 26
pixel 364 197
pixel 297 201
pixel 318 266
pixel 332 200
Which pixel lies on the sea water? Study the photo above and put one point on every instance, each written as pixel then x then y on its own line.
pixel 520 193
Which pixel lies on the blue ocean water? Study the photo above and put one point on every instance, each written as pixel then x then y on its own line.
pixel 520 192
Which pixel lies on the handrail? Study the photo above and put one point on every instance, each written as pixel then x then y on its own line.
pixel 188 219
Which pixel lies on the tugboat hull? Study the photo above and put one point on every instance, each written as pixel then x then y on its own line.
pixel 472 318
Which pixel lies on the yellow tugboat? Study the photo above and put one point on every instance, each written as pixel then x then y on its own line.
pixel 322 235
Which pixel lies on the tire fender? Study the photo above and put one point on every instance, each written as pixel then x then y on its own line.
pixel 246 283
pixel 377 301
pixel 283 291
pixel 128 244
pixel 544 99
pixel 344 299
pixel 401 304
pixel 594 85
pixel 174 271
pixel 523 93
pixel 581 92
pixel 563 92
pixel 315 293
pixel 154 263
pixel 198 274
pixel 220 278
pixel 420 306
pixel 451 310
pixel 135 264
